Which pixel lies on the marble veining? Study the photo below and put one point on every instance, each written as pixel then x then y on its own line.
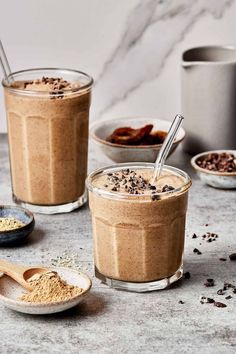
pixel 131 48
pixel 152 31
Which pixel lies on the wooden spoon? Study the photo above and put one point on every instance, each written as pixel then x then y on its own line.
pixel 20 274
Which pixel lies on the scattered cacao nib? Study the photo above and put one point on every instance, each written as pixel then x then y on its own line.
pixel 228 297
pixel 234 291
pixel 209 282
pixel 221 162
pixel 197 251
pixel 232 257
pixel 206 224
pixel 219 304
pixel 222 259
pixel 181 302
pixel 210 300
pixel 206 300
pixel 220 292
pixel 229 286
pixel 210 236
pixel 187 275
pixel 194 236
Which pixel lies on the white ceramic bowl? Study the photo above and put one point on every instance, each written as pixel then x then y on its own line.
pixel 127 153
pixel 10 291
pixel 222 180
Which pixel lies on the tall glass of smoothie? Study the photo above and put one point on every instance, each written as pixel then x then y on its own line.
pixel 138 226
pixel 47 116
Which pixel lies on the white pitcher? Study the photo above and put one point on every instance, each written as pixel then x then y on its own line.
pixel 209 98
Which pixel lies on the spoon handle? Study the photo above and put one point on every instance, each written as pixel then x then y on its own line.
pixel 165 148
pixel 14 271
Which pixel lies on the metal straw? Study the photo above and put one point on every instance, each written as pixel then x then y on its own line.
pixel 4 63
pixel 166 146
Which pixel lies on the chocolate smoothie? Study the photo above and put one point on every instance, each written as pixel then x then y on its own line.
pixel 48 137
pixel 138 226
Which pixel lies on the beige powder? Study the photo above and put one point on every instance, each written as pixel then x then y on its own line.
pixel 49 287
pixel 7 224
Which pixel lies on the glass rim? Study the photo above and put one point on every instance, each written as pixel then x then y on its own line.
pixel 84 87
pixel 207 48
pixel 120 166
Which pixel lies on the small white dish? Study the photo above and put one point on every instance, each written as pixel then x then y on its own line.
pixel 100 130
pixel 10 291
pixel 222 180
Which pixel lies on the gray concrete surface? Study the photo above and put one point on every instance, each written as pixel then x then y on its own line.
pixel 111 321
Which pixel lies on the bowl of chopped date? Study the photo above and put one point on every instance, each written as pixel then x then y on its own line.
pixel 216 168
pixel 132 139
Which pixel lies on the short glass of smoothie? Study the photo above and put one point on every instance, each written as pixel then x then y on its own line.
pixel 138 226
pixel 47 117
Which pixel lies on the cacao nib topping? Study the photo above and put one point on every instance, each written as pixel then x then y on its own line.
pixel 26 83
pixel 133 183
pixel 167 188
pixel 57 83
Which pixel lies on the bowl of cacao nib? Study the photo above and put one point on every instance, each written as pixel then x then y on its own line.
pixel 216 168
pixel 132 139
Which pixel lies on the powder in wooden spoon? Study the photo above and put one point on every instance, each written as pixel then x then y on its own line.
pixel 49 287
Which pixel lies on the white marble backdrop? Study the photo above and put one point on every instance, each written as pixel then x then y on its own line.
pixel 131 48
